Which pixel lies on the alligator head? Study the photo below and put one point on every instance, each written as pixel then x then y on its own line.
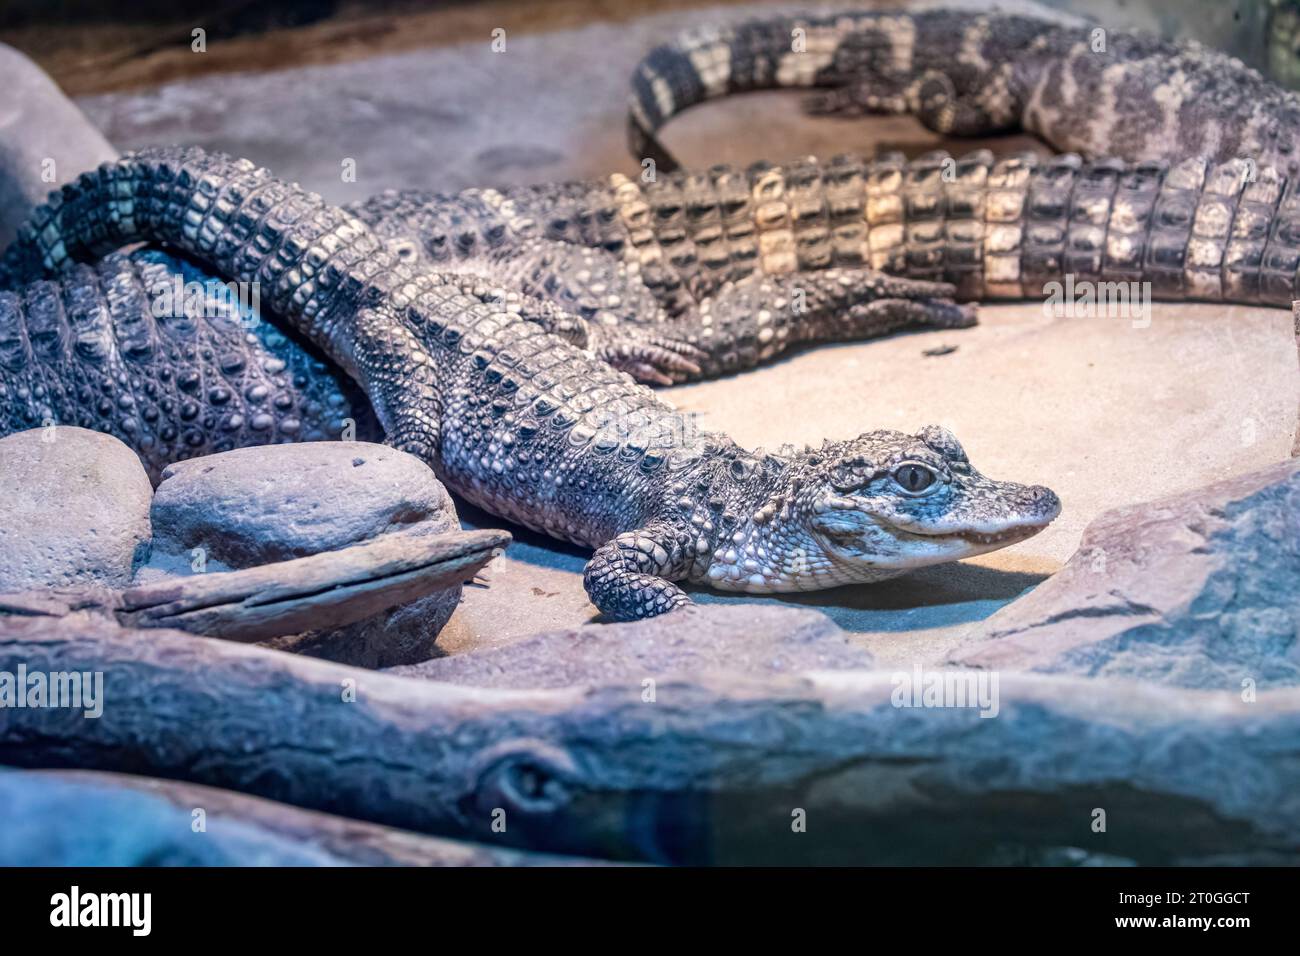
pixel 872 508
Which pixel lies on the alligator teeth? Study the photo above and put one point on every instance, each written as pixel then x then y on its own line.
pixel 999 537
pixel 971 537
pixel 989 538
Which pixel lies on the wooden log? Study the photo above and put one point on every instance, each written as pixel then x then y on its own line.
pixel 89 818
pixel 331 589
pixel 824 767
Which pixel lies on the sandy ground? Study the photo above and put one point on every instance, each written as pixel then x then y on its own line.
pixel 1104 412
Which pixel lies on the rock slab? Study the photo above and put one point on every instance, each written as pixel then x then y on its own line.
pixel 74 509
pixel 741 640
pixel 1198 590
pixel 269 503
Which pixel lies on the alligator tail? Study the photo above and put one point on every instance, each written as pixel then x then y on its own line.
pixel 302 253
pixel 787 52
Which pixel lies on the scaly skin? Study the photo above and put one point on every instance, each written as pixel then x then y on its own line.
pixel 970 73
pixel 204 377
pixel 713 263
pixel 518 419
pixel 650 304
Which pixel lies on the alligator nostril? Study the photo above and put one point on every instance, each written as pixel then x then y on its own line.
pixel 1044 496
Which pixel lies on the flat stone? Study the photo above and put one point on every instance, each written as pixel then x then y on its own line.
pixel 56 822
pixel 256 505
pixel 747 640
pixel 1200 589
pixel 74 509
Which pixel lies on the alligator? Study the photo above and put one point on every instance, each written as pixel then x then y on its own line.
pixel 715 260
pixel 1080 87
pixel 492 387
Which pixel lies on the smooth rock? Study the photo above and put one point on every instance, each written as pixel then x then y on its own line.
pixel 45 141
pixel 74 509
pixel 751 640
pixel 1200 590
pixel 269 503
pixel 55 822
pixel 254 506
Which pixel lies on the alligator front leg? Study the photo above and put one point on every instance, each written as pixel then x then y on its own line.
pixel 654 356
pixel 630 577
pixel 757 318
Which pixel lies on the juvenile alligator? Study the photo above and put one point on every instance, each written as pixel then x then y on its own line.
pixel 490 388
pixel 1078 86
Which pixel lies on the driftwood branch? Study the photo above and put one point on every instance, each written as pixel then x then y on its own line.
pixel 331 589
pixel 711 769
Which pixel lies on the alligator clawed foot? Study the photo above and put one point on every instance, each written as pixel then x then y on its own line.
pixel 649 357
pixel 917 302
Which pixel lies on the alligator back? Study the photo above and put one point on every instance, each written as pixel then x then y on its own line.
pixel 149 348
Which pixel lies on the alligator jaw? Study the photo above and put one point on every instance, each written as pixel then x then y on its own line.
pixel 1000 538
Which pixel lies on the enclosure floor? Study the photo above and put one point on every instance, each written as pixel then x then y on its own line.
pixel 1103 412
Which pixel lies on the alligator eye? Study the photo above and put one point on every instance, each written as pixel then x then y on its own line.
pixel 913 478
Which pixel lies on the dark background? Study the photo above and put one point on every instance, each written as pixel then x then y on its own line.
pixel 95 46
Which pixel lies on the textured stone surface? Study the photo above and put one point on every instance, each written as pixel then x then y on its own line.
pixel 44 139
pixel 53 822
pixel 269 503
pixel 74 509
pixel 750 640
pixel 1200 590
